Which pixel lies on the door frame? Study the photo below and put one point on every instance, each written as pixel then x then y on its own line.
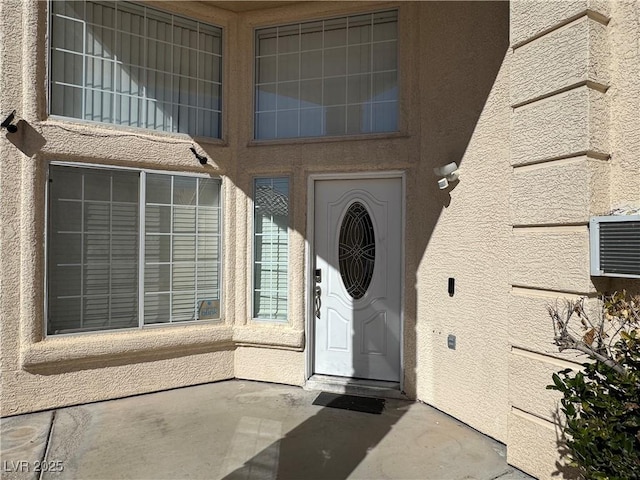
pixel 310 256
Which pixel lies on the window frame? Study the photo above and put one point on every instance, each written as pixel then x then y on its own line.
pixel 400 125
pixel 141 248
pixel 139 129
pixel 270 321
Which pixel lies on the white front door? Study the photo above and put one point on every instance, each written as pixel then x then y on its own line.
pixel 357 278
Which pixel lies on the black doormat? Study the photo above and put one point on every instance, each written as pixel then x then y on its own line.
pixel 350 402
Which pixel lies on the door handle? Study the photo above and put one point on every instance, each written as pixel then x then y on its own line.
pixel 317 300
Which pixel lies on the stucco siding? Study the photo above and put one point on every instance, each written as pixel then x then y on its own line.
pixel 533 445
pixel 575 53
pixel 530 326
pixel 269 365
pixel 533 18
pixel 75 383
pixel 625 104
pixel 561 147
pixel 567 191
pixel 545 131
pixel 564 125
pixel 554 258
pixel 532 395
pixel 463 231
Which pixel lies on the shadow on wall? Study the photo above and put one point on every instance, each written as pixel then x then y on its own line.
pixel 463 47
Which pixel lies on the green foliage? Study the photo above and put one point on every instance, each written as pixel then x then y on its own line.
pixel 601 403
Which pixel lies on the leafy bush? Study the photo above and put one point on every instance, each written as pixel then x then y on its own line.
pixel 601 403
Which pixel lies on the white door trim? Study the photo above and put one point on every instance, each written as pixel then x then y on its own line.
pixel 309 257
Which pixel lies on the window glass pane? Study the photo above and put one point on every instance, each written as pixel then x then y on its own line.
pixel 87 270
pixel 359 59
pixel 158 189
pixel 70 67
pixel 288 95
pixel 359 29
pixel 288 39
pixel 335 120
pixel 385 26
pixel 157 308
pixel 310 93
pixel 311 36
pixel 266 125
pixel 208 191
pixel 311 122
pixel 384 56
pixel 182 254
pixel 153 59
pixel 358 88
pixel 335 32
pixel 287 123
pixel 184 190
pixel 267 42
pixel 335 61
pixel 321 77
pixel 271 248
pixel 311 64
pixel 288 67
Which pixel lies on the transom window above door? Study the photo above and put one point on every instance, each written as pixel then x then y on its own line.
pixel 128 64
pixel 327 77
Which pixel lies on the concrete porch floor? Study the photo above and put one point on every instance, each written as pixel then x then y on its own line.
pixel 245 430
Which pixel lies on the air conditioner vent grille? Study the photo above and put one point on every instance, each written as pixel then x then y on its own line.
pixel 617 247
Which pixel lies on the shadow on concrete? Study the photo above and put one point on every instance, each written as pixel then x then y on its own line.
pixel 329 445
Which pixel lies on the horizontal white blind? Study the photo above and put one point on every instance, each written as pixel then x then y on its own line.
pixel 94 264
pixel 182 248
pixel 331 77
pixel 271 249
pixel 93 254
pixel 127 64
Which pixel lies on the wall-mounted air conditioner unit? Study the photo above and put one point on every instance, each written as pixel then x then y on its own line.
pixel 615 246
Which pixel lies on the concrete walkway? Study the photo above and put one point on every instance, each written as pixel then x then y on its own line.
pixel 245 430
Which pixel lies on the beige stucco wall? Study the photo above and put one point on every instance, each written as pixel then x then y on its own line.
pixel 39 372
pixel 450 111
pixel 463 232
pixel 545 131
pixel 574 154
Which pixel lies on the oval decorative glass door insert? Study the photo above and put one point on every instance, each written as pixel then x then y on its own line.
pixel 356 250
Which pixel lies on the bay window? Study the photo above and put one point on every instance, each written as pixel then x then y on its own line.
pixel 130 248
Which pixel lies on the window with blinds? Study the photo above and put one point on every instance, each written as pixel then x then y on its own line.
pixel 102 276
pixel 271 249
pixel 330 77
pixel 128 64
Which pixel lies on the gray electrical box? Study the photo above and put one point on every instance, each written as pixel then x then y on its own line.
pixel 451 342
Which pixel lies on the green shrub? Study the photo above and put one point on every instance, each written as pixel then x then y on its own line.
pixel 601 403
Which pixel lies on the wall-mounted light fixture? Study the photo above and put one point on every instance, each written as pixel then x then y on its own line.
pixel 8 123
pixel 449 173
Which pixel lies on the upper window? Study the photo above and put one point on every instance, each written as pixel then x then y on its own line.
pixel 330 77
pixel 127 64
pixel 129 248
